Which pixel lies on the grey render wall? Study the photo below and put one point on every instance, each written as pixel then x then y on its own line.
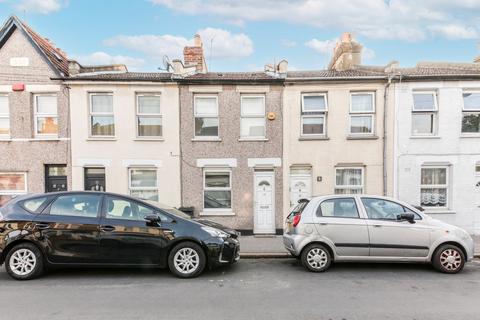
pixel 230 147
pixel 23 152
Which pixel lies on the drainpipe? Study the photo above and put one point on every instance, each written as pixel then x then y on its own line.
pixel 385 104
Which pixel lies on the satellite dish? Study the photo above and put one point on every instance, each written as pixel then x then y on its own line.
pixel 167 64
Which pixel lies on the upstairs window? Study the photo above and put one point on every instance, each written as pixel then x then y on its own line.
pixel 206 116
pixel 102 122
pixel 471 112
pixel 252 117
pixel 314 111
pixel 46 116
pixel 424 113
pixel 149 117
pixel 4 115
pixel 362 113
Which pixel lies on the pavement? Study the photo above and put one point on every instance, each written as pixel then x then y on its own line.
pixel 250 289
pixel 252 247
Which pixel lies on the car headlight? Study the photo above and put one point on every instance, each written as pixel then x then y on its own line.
pixel 215 232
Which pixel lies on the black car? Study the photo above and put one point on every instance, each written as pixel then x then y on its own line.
pixel 106 229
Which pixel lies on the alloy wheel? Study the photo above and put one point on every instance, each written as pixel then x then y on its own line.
pixel 317 258
pixel 23 262
pixel 186 260
pixel 451 259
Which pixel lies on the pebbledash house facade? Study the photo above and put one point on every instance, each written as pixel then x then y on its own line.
pixel 231 146
pixel 34 120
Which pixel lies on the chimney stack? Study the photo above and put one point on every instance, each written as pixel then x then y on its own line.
pixel 194 55
pixel 347 53
pixel 476 60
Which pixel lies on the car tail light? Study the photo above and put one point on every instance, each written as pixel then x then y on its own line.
pixel 296 220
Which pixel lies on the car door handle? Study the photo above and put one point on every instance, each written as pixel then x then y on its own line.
pixel 107 228
pixel 42 226
pixel 377 225
pixel 323 223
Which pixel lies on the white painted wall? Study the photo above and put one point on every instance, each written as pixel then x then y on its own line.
pixel 459 151
pixel 126 150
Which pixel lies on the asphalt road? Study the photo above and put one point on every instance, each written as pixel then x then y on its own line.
pixel 251 289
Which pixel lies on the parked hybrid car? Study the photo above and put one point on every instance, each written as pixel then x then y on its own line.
pixel 105 229
pixel 372 229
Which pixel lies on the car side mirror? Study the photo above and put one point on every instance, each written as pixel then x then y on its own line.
pixel 152 218
pixel 406 216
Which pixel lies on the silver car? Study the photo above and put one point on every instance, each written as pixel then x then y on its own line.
pixel 372 229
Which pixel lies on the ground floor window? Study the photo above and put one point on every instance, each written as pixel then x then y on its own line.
pixel 12 184
pixel 217 189
pixel 55 177
pixel 434 187
pixel 143 183
pixel 95 179
pixel 349 180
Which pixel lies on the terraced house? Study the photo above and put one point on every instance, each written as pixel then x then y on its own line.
pixel 231 145
pixel 34 120
pixel 125 132
pixel 437 140
pixel 338 128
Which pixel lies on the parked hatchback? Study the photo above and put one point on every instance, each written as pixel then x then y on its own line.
pixel 372 229
pixel 106 229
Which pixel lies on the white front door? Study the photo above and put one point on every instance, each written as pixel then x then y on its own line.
pixel 264 220
pixel 300 188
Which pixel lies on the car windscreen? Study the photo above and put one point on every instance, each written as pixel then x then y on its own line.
pixel 168 209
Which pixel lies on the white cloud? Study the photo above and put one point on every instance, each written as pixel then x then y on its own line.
pixel 323 47
pixel 456 31
pixel 408 20
pixel 103 58
pixel 39 6
pixel 288 43
pixel 225 45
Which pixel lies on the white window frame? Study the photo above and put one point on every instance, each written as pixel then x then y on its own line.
pixel 243 116
pixel 15 192
pixel 314 114
pixel 370 114
pixel 205 188
pixel 445 186
pixel 469 111
pixel 362 186
pixel 92 114
pixel 200 115
pixel 44 115
pixel 433 112
pixel 147 115
pixel 130 188
pixel 6 115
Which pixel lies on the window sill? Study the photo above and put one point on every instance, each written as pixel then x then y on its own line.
pixel 252 139
pixel 149 139
pixel 440 211
pixel 425 137
pixel 313 137
pixel 473 135
pixel 102 139
pixel 5 138
pixel 215 139
pixel 216 213
pixel 362 137
pixel 48 138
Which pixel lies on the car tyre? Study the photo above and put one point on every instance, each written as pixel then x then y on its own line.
pixel 24 262
pixel 448 259
pixel 316 258
pixel 187 260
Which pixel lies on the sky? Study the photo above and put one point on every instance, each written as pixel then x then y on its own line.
pixel 244 35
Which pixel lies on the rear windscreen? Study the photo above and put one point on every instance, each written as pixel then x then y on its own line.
pixel 298 209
